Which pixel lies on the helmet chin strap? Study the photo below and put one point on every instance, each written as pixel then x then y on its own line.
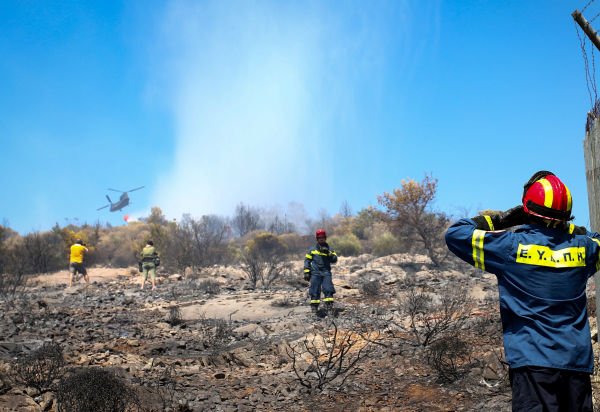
pixel 548 212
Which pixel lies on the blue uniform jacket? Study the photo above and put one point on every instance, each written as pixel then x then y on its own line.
pixel 319 263
pixel 542 274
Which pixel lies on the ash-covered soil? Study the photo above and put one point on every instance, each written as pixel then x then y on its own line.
pixel 230 350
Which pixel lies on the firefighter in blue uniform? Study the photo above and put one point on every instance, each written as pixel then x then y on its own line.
pixel 317 269
pixel 542 270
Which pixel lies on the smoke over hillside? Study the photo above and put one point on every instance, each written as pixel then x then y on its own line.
pixel 257 90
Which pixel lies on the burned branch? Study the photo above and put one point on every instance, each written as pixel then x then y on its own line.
pixel 449 356
pixel 432 316
pixel 330 356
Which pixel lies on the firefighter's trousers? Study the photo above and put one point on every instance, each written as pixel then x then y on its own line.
pixel 316 284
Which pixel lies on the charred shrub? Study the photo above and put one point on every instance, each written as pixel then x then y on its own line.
pixel 167 388
pixel 15 268
pixel 41 367
pixel 175 316
pixel 294 280
pixel 328 357
pixel 481 324
pixel 371 288
pixel 431 316
pixel 97 390
pixel 284 302
pixel 23 313
pixel 210 287
pixel 215 333
pixel 449 357
pixel 405 282
pixel 488 328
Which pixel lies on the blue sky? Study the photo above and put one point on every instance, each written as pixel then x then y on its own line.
pixel 209 103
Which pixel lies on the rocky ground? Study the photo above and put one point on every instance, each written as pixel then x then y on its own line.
pixel 227 347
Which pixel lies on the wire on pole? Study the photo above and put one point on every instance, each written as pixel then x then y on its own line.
pixel 588 78
pixel 591 1
pixel 595 17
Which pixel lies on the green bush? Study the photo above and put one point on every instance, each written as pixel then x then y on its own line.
pixel 347 245
pixel 364 220
pixel 297 245
pixel 233 254
pixel 385 245
pixel 265 259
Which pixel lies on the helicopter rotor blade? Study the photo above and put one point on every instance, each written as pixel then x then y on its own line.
pixel 137 188
pixel 103 207
pixel 110 201
pixel 120 191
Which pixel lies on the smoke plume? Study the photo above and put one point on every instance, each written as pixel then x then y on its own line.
pixel 257 91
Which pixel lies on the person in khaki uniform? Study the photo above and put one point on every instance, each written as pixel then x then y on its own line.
pixel 149 254
pixel 76 262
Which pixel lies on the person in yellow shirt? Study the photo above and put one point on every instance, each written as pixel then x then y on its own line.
pixel 76 264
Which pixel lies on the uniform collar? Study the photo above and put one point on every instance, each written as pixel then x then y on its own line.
pixel 536 227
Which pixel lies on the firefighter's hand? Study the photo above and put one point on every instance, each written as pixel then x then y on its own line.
pixel 325 250
pixel 513 217
pixel 307 276
pixel 579 230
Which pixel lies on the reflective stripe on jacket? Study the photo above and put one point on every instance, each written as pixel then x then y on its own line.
pixel 319 263
pixel 542 274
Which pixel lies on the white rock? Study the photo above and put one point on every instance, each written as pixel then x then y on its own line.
pixel 252 329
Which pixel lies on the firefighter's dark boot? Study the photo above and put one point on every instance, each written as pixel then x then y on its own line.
pixel 314 308
pixel 329 308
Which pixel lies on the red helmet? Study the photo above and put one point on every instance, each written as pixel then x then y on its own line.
pixel 320 233
pixel 544 195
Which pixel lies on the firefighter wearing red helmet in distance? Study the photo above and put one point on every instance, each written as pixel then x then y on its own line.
pixel 542 270
pixel 317 269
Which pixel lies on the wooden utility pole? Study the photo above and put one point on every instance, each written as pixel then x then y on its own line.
pixel 587 29
pixel 591 154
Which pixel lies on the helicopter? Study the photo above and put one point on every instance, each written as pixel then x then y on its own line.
pixel 123 201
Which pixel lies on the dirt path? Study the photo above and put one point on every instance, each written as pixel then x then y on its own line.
pixel 249 308
pixel 99 275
